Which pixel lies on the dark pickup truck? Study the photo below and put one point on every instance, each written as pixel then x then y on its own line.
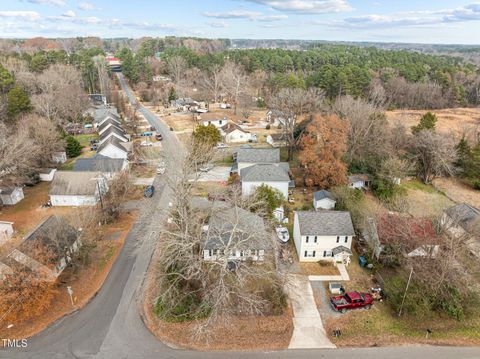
pixel 351 300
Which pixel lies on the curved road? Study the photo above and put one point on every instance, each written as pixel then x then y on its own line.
pixel 110 326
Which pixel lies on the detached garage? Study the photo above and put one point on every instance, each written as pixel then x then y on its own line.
pixel 77 188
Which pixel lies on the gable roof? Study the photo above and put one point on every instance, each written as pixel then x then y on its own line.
pixel 101 112
pixel 108 123
pixel 278 136
pixel 230 127
pixel 325 223
pixel 113 130
pixel 112 140
pixel 54 234
pixel 99 163
pixel 322 194
pixel 243 229
pixel 258 155
pixel 74 183
pixel 265 173
pixel 465 214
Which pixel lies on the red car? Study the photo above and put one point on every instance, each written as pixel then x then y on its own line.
pixel 351 300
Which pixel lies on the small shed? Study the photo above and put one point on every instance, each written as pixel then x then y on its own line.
pixel 6 231
pixel 10 196
pixel 47 174
pixel 323 199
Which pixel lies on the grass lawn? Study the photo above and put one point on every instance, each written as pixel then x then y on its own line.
pixel 424 200
pixel 86 138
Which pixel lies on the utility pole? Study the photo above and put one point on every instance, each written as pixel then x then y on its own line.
pixel 405 294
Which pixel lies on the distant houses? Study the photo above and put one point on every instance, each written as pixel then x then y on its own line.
pixel 277 140
pixel 323 199
pixel 232 133
pixel 359 181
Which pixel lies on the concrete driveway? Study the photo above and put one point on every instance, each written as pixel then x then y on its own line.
pixel 216 174
pixel 308 330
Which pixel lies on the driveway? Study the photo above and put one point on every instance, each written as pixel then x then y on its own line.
pixel 308 331
pixel 216 174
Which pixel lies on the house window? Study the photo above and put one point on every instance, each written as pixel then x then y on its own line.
pixel 346 239
pixel 327 254
pixel 315 239
pixel 338 239
pixel 220 122
pixel 222 252
pixel 306 239
pixel 309 254
pixel 210 252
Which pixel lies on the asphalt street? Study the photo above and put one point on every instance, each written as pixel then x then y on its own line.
pixel 110 326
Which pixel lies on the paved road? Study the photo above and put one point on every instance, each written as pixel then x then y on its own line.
pixel 110 326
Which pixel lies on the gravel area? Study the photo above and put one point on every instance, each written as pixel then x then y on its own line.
pixel 321 298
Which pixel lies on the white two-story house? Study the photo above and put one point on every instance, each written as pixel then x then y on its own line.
pixel 323 235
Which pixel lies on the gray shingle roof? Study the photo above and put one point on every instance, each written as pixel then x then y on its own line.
pixel 243 229
pixel 111 130
pixel 258 155
pixel 465 215
pixel 322 194
pixel 100 113
pixel 107 123
pixel 325 223
pixel 99 163
pixel 74 183
pixel 115 142
pixel 264 173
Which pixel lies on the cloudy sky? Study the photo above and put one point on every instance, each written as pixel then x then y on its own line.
pixel 421 21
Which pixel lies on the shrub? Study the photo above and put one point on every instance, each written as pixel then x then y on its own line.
pixel 267 127
pixel 73 148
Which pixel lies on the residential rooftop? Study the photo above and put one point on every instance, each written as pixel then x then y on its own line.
pixel 325 223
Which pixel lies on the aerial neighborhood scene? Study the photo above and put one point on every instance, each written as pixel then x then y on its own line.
pixel 245 179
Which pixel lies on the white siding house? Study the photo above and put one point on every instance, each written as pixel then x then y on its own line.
pixel 264 174
pixel 220 122
pixel 6 231
pixel 114 148
pixel 70 188
pixel 323 200
pixel 10 196
pixel 359 181
pixel 323 235
pixel 235 134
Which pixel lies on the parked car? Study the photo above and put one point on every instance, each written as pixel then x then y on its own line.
pixel 206 167
pixel 147 134
pixel 149 191
pixel 93 147
pixel 351 300
pixel 222 145
pixel 158 137
pixel 146 144
pixel 282 234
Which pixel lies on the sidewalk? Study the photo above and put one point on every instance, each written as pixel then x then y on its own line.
pixel 308 331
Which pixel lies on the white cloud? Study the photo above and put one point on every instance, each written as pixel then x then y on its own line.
pixel 26 15
pixel 307 6
pixel 69 13
pixel 48 2
pixel 86 6
pixel 218 24
pixel 242 14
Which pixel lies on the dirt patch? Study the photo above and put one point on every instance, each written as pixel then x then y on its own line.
pixel 240 333
pixel 452 120
pixel 458 191
pixel 319 268
pixel 85 282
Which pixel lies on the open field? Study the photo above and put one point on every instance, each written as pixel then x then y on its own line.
pixel 452 120
pixel 458 191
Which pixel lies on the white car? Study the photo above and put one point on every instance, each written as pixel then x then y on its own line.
pixel 146 144
pixel 221 146
pixel 282 234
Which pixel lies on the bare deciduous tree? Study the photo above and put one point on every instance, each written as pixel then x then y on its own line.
pixel 235 82
pixel 176 67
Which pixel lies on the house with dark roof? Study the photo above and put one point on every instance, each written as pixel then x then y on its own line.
pixel 48 248
pixel 246 156
pixel 72 188
pixel 99 113
pixel 323 199
pixel 274 176
pixel 10 195
pixel 108 123
pixel 461 219
pixel 98 163
pixel 277 140
pixel 235 234
pixel 114 148
pixel 323 235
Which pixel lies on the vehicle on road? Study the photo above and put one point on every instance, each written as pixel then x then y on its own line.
pixel 149 191
pixel 222 145
pixel 206 167
pixel 282 234
pixel 158 137
pixel 351 300
pixel 147 134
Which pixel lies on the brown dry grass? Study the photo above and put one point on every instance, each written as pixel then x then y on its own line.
pixel 86 282
pixel 241 333
pixel 319 268
pixel 452 120
pixel 457 191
